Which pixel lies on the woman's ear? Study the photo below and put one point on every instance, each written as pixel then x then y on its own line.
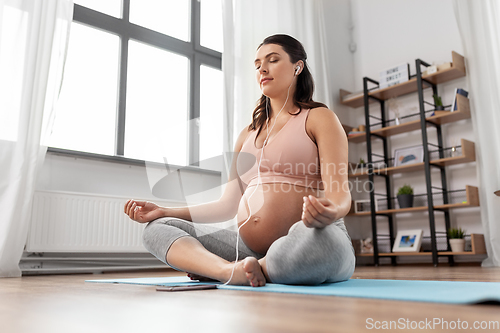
pixel 299 63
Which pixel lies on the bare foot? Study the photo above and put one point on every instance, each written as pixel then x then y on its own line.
pixel 200 278
pixel 247 272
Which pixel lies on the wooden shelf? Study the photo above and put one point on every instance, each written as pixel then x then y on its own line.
pixel 477 245
pixel 356 138
pixel 392 254
pixel 354 102
pixel 468 155
pixel 391 170
pixel 440 118
pixel 472 200
pixel 457 70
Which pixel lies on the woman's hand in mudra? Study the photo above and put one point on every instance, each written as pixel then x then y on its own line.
pixel 142 211
pixel 318 212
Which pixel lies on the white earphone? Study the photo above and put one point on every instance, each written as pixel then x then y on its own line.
pixel 297 70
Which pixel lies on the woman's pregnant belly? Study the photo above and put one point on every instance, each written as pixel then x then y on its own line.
pixel 273 209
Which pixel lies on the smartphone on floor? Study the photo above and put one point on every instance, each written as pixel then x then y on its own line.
pixel 187 287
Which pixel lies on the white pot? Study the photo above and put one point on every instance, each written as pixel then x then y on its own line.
pixel 457 244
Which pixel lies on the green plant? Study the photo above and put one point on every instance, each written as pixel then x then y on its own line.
pixel 454 233
pixel 361 160
pixel 437 100
pixel 405 189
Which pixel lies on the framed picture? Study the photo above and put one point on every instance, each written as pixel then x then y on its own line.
pixel 410 155
pixel 361 206
pixel 408 241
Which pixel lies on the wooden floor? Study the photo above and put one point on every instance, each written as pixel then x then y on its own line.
pixel 65 303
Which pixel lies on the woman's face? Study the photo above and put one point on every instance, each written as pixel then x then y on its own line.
pixel 273 70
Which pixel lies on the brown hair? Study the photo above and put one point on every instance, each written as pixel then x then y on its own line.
pixel 305 84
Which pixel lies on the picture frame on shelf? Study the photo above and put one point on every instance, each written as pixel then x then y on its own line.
pixel 361 206
pixel 409 155
pixel 408 241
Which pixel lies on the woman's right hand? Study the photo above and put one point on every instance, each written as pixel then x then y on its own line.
pixel 142 211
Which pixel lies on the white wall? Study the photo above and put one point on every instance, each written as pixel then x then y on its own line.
pixel 341 62
pixel 391 32
pixel 82 175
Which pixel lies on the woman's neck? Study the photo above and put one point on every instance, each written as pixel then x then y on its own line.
pixel 278 104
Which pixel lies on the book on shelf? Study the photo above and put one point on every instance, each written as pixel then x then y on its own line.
pixel 461 92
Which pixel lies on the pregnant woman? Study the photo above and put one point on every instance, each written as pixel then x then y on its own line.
pixel 289 203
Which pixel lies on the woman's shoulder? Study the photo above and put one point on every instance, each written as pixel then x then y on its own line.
pixel 323 119
pixel 321 115
pixel 321 111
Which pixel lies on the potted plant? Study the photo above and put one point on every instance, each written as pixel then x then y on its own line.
pixel 361 163
pixel 438 103
pixel 405 196
pixel 456 238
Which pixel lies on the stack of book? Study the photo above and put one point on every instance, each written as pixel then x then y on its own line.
pixel 457 91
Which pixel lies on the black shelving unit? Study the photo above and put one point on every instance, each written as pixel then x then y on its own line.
pixel 371 174
pixel 427 165
pixel 421 82
pixel 438 198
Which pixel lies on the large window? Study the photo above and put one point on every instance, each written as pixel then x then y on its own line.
pixel 143 81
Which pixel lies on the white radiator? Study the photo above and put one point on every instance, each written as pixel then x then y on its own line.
pixel 74 222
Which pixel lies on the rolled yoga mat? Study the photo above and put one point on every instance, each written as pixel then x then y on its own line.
pixel 452 292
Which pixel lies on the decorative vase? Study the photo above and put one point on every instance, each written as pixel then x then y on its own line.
pixel 457 244
pixel 405 200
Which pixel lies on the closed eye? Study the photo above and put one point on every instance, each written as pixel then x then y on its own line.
pixel 272 61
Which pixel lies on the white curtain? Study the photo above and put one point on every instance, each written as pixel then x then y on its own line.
pixel 479 25
pixel 33 44
pixel 246 23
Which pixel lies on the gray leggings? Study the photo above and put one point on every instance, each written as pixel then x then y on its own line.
pixel 304 256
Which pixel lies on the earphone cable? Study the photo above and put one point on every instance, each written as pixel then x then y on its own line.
pixel 258 177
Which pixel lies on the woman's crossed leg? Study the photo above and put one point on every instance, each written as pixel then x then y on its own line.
pixel 304 256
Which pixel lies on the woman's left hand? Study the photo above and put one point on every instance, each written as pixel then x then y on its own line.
pixel 318 212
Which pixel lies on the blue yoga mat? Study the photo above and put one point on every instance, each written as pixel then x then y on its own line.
pixel 454 292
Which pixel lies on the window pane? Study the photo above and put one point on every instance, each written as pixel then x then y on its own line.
pixel 211 118
pixel 86 109
pixel 211 24
pixel 157 105
pixel 110 7
pixel 169 17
